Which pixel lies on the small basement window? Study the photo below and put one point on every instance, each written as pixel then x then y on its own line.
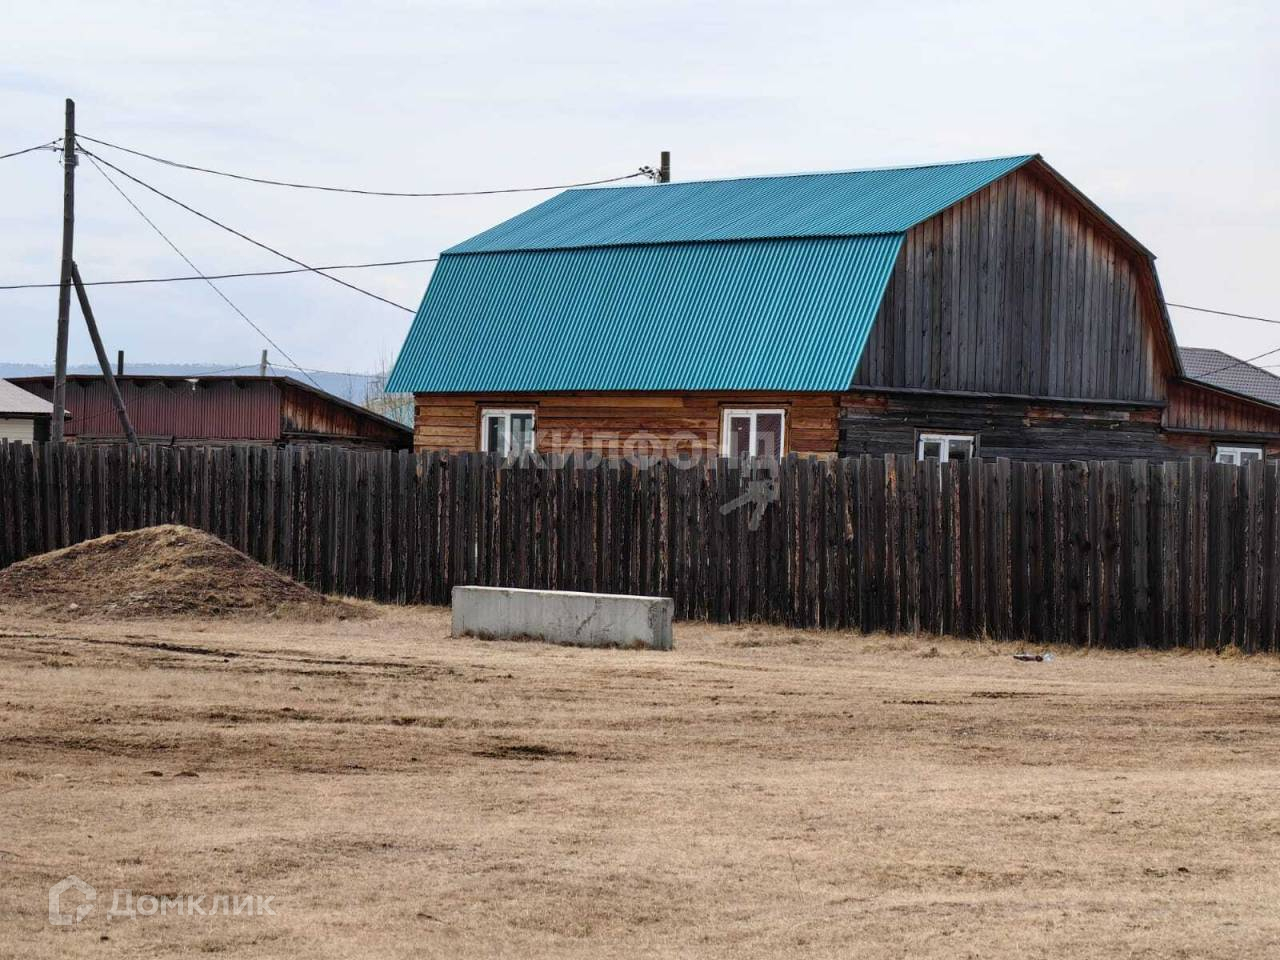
pixel 1237 455
pixel 752 433
pixel 945 447
pixel 508 432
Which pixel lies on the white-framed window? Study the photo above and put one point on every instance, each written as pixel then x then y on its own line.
pixel 945 447
pixel 753 433
pixel 1237 455
pixel 508 432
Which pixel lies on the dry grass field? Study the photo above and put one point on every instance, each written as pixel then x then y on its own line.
pixel 758 792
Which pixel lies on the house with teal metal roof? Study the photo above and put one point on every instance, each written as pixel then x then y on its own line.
pixel 979 308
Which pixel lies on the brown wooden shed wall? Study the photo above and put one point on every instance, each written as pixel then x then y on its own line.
pixel 306 416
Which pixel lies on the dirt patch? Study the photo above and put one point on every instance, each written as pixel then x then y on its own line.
pixel 165 571
pixel 1004 694
pixel 523 751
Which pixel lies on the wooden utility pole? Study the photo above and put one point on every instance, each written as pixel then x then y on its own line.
pixel 113 388
pixel 664 167
pixel 64 290
pixel 262 365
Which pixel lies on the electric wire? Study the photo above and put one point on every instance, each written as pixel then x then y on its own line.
pixel 212 285
pixel 38 146
pixel 244 236
pixel 1220 313
pixel 367 193
pixel 1226 313
pixel 225 276
pixel 305 268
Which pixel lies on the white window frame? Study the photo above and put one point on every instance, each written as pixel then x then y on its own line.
pixel 1234 455
pixel 944 441
pixel 506 412
pixel 753 413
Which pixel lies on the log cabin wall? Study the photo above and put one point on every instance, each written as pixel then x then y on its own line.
pixel 1020 429
pixel 1019 290
pixel 677 423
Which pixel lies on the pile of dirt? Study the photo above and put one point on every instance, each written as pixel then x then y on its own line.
pixel 166 571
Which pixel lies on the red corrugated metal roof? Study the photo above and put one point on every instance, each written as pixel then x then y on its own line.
pixel 216 410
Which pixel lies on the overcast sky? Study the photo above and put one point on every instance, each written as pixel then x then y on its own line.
pixel 1165 113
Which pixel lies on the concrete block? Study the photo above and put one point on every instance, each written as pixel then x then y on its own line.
pixel 561 616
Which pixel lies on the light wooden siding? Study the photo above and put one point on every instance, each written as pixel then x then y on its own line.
pixel 1193 408
pixel 1018 290
pixel 687 422
pixel 18 428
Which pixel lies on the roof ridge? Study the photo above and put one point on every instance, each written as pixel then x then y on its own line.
pixel 780 238
pixel 813 173
pixel 887 200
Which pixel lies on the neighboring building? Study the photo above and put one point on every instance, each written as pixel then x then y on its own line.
pixel 1230 374
pixel 218 410
pixel 985 308
pixel 23 415
pixel 1230 395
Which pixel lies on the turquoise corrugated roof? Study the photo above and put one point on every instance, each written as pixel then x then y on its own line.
pixel 802 205
pixel 765 315
pixel 766 283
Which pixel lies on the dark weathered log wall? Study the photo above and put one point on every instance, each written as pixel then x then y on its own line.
pixel 1019 289
pixel 1021 429
pixel 1114 554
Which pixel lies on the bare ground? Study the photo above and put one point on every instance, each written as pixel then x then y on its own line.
pixel 757 792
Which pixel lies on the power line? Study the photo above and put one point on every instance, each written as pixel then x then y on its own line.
pixel 1239 316
pixel 225 276
pixel 246 237
pixel 367 193
pixel 38 146
pixel 305 268
pixel 212 373
pixel 1220 313
pixel 212 285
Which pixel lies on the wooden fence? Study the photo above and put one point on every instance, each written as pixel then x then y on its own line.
pixel 1108 553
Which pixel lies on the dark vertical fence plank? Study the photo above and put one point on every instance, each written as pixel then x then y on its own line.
pixel 8 505
pixel 1135 593
pixel 1267 558
pixel 953 521
pixel 1251 485
pixel 1076 553
pixel 892 545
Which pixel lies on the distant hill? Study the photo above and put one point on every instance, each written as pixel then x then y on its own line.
pixel 348 386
